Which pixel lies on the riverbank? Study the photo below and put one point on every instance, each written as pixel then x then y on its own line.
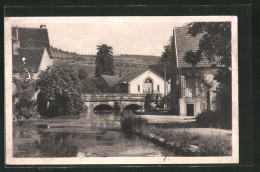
pixel 183 141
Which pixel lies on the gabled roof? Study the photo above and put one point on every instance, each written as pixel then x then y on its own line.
pixel 159 69
pixel 33 59
pixel 184 42
pixel 111 80
pixel 32 38
pixel 131 76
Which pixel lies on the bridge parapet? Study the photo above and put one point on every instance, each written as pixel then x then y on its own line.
pixel 115 97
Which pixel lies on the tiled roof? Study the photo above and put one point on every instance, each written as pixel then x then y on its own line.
pixel 33 59
pixel 184 43
pixel 111 80
pixel 32 38
pixel 130 76
pixel 154 68
pixel 159 69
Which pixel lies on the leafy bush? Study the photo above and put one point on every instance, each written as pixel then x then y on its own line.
pixel 59 91
pixel 25 91
pixel 25 107
pixel 148 101
pixel 89 86
pixel 82 74
pixel 182 139
pixel 215 119
pixel 214 147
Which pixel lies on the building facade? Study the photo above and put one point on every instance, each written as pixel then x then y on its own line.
pixel 143 82
pixel 195 95
pixel 31 50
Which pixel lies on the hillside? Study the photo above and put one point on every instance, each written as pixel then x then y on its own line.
pixel 124 63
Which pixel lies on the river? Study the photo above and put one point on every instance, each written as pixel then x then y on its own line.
pixel 28 141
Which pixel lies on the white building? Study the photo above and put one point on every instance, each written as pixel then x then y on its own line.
pixel 195 96
pixel 31 50
pixel 143 82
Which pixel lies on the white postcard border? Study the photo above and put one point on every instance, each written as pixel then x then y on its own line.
pixel 10 160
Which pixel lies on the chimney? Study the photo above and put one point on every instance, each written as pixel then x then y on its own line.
pixel 43 26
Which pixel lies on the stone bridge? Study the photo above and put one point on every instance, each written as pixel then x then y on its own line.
pixel 115 100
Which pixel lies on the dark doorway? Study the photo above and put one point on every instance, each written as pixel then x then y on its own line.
pixel 190 109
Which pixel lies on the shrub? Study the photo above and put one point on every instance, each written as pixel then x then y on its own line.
pixel 148 101
pixel 214 147
pixel 59 91
pixel 25 107
pixel 215 119
pixel 131 124
pixel 89 86
pixel 82 74
pixel 25 91
pixel 183 141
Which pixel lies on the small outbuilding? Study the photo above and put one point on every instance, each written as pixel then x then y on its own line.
pixel 106 83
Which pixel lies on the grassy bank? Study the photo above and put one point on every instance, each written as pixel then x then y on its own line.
pixel 182 142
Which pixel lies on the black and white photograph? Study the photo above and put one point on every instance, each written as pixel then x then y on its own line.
pixel 121 90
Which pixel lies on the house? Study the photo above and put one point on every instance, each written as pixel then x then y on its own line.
pixel 106 83
pixel 143 82
pixel 195 96
pixel 31 50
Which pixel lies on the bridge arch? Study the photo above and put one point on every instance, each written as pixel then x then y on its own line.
pixel 102 107
pixel 133 107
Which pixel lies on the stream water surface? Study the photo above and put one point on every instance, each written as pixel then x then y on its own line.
pixel 28 141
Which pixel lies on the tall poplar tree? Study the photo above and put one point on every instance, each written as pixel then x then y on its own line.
pixel 168 58
pixel 104 61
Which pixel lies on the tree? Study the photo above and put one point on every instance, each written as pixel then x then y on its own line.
pixel 82 74
pixel 104 61
pixel 215 45
pixel 168 58
pixel 59 91
pixel 89 86
pixel 25 91
pixel 148 102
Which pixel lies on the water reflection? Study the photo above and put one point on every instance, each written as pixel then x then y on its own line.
pixel 92 142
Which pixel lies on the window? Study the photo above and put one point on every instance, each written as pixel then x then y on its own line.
pixel 148 81
pixel 158 88
pixel 138 88
pixel 183 82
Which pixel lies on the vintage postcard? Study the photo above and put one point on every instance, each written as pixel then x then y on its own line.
pixel 121 90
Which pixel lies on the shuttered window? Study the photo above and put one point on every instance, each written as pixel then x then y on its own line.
pixel 183 82
pixel 183 87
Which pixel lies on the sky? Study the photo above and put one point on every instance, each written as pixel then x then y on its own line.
pixel 125 38
pixel 127 35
